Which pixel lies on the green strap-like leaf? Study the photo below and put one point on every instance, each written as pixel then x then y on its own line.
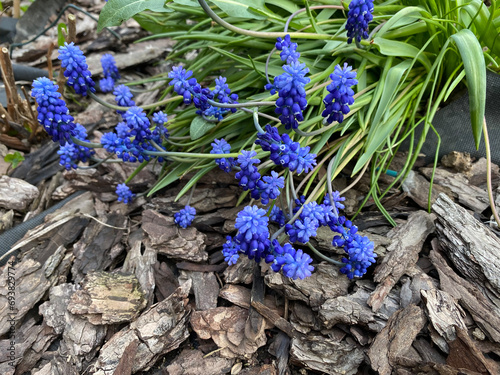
pixel 236 8
pixel 475 74
pixel 117 11
pixel 200 127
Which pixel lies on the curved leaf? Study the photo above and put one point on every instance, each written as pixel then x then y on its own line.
pixel 475 74
pixel 117 11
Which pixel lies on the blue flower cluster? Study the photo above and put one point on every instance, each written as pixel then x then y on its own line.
pixel 360 14
pixel 192 92
pixel 71 153
pixel 110 72
pixel 76 69
pixel 252 240
pixel 358 248
pixel 286 152
pixel 220 146
pixel 124 194
pixel 52 111
pixel 341 95
pixel 290 85
pixel 123 97
pixel 133 136
pixel 185 217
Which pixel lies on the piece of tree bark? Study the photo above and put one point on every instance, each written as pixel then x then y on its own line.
pixel 164 235
pixel 16 194
pixel 141 265
pixel 192 362
pixel 160 329
pixel 108 298
pixel 408 240
pixel 325 283
pixel 396 338
pixel 326 355
pixel 31 283
pixel 484 313
pixel 469 195
pixel 82 338
pixel 205 288
pixel 444 313
pixel 94 250
pixel 241 272
pixel 353 308
pixel 470 245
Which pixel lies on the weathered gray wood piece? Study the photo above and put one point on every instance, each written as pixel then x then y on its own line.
pixel 472 247
pixel 408 240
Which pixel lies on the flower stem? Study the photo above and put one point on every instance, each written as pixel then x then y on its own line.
pixel 488 172
pixel 120 108
pixel 324 257
pixel 85 144
pixel 239 105
pixel 261 34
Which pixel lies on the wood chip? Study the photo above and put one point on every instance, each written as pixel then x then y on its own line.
pixel 470 245
pixel 408 240
pixel 160 329
pixel 326 355
pixel 16 194
pixel 108 298
pixel 164 235
pixel 468 195
pixel 192 362
pixel 395 339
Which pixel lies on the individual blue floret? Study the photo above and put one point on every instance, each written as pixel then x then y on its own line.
pixel 220 146
pixel 360 14
pixel 122 130
pixel 185 217
pixel 288 49
pixel 52 111
pixel 124 193
pixel 230 251
pixel 341 95
pixel 336 198
pixel 76 69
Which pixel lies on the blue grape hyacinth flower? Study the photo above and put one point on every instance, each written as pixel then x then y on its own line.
pixel 360 14
pixel 185 217
pixel 288 49
pixel 220 146
pixel 52 111
pixel 71 153
pixel 341 95
pixel 76 69
pixel 124 193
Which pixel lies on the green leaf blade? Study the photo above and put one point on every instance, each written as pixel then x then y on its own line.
pixel 475 74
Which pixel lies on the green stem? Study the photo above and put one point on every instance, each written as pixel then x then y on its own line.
pixel 239 105
pixel 268 35
pixel 120 108
pixel 324 257
pixel 85 144
pixel 192 155
pixel 488 172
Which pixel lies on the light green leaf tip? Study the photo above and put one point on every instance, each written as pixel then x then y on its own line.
pixel 475 74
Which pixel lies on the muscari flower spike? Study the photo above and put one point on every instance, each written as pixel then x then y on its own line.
pixel 185 217
pixel 360 14
pixel 288 49
pixel 52 111
pixel 76 69
pixel 286 152
pixel 249 174
pixel 71 153
pixel 123 97
pixel 124 193
pixel 341 95
pixel 220 146
pixel 110 72
pixel 253 232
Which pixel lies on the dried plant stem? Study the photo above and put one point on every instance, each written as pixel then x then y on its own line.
pixel 17 9
pixel 10 83
pixel 71 28
pixel 49 61
pixel 488 172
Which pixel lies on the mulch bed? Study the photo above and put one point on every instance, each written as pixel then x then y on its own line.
pixel 107 288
